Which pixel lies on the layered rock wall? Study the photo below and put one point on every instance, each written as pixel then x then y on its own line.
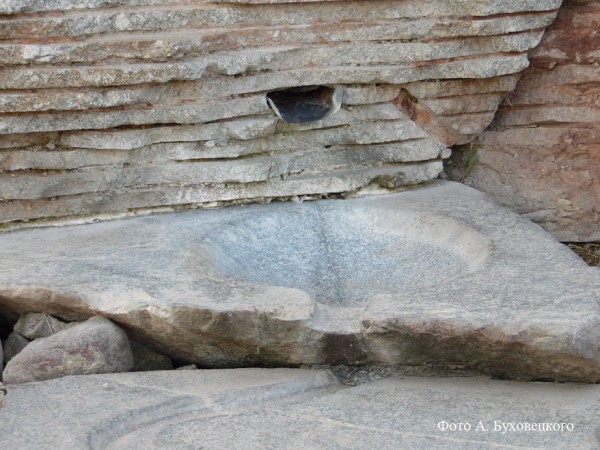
pixel 542 158
pixel 112 107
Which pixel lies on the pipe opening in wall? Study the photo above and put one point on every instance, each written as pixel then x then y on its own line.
pixel 305 104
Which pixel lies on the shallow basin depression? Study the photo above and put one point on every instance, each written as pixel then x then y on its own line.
pixel 342 256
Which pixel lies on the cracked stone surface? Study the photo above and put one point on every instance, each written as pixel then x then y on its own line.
pixel 438 275
pixel 289 408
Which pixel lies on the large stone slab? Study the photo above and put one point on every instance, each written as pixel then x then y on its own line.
pixel 286 408
pixel 110 407
pixel 425 276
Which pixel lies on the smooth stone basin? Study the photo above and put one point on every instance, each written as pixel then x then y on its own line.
pixel 342 255
pixel 438 275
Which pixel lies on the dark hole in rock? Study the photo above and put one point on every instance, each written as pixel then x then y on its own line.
pixel 7 320
pixel 305 104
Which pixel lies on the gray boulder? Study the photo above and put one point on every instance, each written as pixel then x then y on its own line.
pixel 13 345
pixel 145 359
pixel 94 346
pixel 36 325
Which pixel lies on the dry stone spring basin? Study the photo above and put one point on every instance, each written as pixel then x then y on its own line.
pixel 113 109
pixel 437 275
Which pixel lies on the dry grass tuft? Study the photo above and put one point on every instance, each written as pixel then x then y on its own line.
pixel 589 252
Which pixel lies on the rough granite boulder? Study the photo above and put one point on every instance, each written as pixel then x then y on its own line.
pixel 94 346
pixel 34 325
pixel 542 157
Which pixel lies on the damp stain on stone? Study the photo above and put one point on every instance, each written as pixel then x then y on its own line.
pixel 343 349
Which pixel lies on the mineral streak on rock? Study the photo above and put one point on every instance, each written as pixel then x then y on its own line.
pixel 109 107
pixel 543 157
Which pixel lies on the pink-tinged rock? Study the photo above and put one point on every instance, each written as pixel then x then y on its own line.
pixel 543 158
pixel 94 346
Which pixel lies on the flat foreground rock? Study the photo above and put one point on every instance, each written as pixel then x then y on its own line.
pixel 287 408
pixel 438 275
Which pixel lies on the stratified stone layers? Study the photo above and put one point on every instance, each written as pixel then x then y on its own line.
pixel 111 107
pixel 543 157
